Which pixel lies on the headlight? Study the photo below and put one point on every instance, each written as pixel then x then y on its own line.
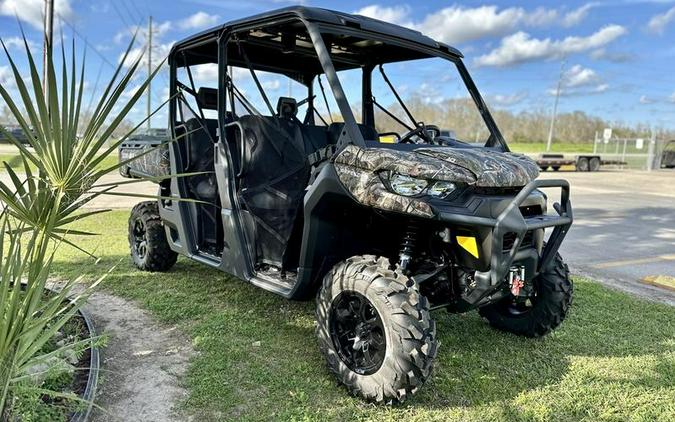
pixel 441 189
pixel 410 186
pixel 406 185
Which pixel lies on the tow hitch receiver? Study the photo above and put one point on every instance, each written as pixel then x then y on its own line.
pixel 516 279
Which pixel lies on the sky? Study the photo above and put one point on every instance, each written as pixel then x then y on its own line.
pixel 616 57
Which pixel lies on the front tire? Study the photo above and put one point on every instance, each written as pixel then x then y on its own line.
pixel 374 330
pixel 147 239
pixel 553 289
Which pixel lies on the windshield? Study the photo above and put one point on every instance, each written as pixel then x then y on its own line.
pixel 429 91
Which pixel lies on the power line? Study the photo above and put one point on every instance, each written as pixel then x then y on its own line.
pixel 119 15
pixel 86 42
pixel 138 16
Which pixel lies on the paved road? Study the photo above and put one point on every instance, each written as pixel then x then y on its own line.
pixel 624 228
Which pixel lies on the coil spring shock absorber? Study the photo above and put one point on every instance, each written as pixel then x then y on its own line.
pixel 407 247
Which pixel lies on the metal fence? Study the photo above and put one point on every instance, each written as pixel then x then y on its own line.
pixel 637 153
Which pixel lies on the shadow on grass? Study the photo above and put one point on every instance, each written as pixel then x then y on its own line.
pixel 259 358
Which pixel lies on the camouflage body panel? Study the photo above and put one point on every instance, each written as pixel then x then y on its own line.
pixel 153 159
pixel 491 168
pixel 359 168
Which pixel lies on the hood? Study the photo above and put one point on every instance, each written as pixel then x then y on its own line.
pixel 474 166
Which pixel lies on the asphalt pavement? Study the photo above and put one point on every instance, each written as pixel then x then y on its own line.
pixel 624 228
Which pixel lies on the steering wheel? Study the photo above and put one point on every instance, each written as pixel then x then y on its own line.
pixel 433 131
pixel 420 131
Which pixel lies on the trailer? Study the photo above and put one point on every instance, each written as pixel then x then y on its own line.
pixel 581 162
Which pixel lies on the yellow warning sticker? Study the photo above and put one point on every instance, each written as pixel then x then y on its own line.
pixel 469 244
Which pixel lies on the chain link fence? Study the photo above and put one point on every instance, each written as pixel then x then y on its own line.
pixel 636 153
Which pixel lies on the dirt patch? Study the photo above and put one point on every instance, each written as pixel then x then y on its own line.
pixel 142 365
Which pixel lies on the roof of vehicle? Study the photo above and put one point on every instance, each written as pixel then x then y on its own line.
pixel 316 14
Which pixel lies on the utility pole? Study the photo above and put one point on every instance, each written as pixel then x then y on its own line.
pixel 47 45
pixel 149 71
pixel 555 107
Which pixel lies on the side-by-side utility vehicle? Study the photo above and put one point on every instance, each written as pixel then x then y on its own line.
pixel 266 181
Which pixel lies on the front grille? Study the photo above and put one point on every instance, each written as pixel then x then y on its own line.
pixel 496 191
pixel 530 210
pixel 510 239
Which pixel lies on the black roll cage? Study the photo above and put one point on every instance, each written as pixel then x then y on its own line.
pixel 317 31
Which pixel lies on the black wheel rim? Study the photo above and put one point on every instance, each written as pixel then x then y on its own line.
pixel 140 239
pixel 357 333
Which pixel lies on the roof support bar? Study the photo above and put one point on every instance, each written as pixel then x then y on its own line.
pixel 352 130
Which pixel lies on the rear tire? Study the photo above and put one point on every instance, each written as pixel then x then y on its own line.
pixel 582 164
pixel 407 347
pixel 147 239
pixel 554 291
pixel 555 168
pixel 594 164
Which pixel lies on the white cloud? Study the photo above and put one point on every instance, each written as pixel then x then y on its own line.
pixel 579 80
pixel 576 16
pixel 6 77
pixel 611 56
pixel 198 21
pixel 580 76
pixel 521 47
pixel 141 32
pixel 507 100
pixel 457 24
pixel 393 14
pixel 576 92
pixel 644 99
pixel 658 23
pixel 159 52
pixel 18 43
pixel 271 85
pixel 32 11
pixel 205 72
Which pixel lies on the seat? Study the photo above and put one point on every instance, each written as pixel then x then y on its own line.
pixel 275 172
pixel 199 140
pixel 314 137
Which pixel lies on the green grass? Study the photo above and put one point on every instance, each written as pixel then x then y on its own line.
pixel 539 147
pixel 613 358
pixel 14 161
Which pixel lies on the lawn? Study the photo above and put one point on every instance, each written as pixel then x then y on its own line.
pixel 14 161
pixel 613 359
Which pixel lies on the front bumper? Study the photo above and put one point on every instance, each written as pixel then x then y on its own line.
pixel 511 220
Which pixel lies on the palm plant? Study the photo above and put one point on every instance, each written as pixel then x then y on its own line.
pixel 61 172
